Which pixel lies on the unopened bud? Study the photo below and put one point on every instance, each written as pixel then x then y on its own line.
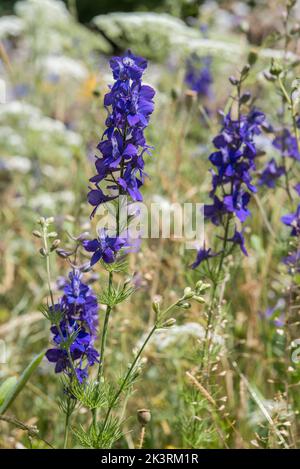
pixel 188 293
pixel 50 220
pixel 245 70
pixel 53 234
pixel 43 252
pixel 201 286
pixel 156 307
pixel 184 305
pixel 169 322
pixel 275 68
pixel 245 97
pixel 55 244
pixel 144 416
pixel 41 221
pixel 234 81
pixel 252 57
pixel 37 234
pixel 199 299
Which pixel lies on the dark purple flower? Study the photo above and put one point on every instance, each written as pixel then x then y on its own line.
pixel 104 247
pixel 202 255
pixel 198 75
pixel 76 329
pixel 293 220
pixel 287 144
pixel 239 240
pixel 129 104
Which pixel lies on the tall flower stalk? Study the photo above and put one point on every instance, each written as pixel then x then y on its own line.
pixel 232 186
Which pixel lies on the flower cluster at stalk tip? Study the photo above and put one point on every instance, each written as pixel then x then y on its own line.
pixel 129 104
pixel 287 145
pixel 74 329
pixel 234 163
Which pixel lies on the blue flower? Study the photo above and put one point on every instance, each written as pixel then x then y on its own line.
pixel 270 174
pixel 77 328
pixel 198 75
pixel 129 104
pixel 293 220
pixel 234 164
pixel 287 144
pixel 202 255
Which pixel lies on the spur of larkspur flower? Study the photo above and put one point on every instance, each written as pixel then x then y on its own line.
pixel 76 328
pixel 233 165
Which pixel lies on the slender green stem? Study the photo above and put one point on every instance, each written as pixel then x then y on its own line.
pixel 67 424
pixel 105 331
pixel 128 374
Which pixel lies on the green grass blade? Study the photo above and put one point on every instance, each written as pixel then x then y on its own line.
pixel 6 387
pixel 21 382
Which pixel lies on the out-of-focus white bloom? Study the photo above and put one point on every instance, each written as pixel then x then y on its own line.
pixel 17 108
pixel 10 26
pixel 11 138
pixel 47 11
pixel 273 408
pixel 51 200
pixel 18 163
pixel 169 337
pixel 63 66
pixel 34 120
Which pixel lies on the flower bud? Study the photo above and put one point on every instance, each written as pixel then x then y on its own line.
pixel 169 322
pixel 55 244
pixel 245 97
pixel 201 286
pixel 245 70
pixel 37 234
pixel 53 234
pixel 275 68
pixel 156 307
pixel 252 57
pixel 50 220
pixel 234 81
pixel 63 253
pixel 199 299
pixel 43 252
pixel 188 293
pixel 41 221
pixel 184 305
pixel 144 416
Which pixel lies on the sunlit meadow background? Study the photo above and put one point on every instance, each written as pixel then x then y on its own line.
pixel 54 72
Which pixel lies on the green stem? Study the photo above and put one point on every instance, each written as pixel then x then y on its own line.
pixel 105 331
pixel 67 424
pixel 128 374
